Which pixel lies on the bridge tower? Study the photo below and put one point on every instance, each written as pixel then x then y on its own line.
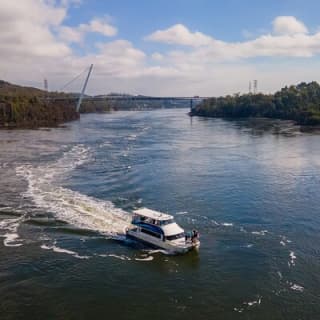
pixel 84 88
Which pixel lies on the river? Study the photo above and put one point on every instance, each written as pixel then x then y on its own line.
pixel 251 188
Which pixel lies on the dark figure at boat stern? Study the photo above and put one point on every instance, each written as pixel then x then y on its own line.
pixel 194 236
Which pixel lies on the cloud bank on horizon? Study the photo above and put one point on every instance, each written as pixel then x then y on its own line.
pixel 36 42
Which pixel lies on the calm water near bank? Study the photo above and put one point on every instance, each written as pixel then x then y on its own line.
pixel 251 187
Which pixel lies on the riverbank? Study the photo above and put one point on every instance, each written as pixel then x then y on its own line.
pixel 27 107
pixel 300 103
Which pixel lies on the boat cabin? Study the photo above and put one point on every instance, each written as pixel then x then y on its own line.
pixel 156 218
pixel 157 224
pixel 161 231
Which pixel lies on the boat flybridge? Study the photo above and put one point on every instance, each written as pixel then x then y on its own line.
pixel 159 230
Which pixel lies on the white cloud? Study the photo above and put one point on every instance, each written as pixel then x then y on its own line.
pixel 118 59
pixel 67 3
pixel 35 43
pixel 289 43
pixel 157 56
pixel 179 34
pixel 77 34
pixel 247 34
pixel 70 35
pixel 288 25
pixel 25 29
pixel 99 26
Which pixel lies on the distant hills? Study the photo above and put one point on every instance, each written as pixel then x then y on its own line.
pixel 300 103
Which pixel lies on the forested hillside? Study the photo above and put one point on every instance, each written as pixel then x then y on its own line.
pixel 300 103
pixel 28 107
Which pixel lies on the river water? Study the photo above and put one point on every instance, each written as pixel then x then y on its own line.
pixel 251 188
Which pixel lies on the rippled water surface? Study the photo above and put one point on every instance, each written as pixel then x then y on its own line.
pixel 250 187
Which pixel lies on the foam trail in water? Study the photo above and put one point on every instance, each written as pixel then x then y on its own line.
pixel 112 255
pixel 4 165
pixel 260 233
pixel 125 258
pixel 57 249
pixel 227 224
pixel 165 252
pixel 293 257
pixel 5 208
pixel 246 305
pixel 284 241
pixel 11 236
pixel 73 207
pixel 296 287
pixel 149 258
pixel 181 213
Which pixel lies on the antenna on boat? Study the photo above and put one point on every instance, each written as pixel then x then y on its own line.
pixel 84 88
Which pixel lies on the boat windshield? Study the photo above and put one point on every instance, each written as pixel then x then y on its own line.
pixel 176 236
pixel 165 222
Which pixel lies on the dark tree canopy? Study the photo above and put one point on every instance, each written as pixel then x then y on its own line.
pixel 300 103
pixel 27 107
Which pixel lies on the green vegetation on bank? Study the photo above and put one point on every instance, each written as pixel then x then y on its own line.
pixel 27 107
pixel 300 103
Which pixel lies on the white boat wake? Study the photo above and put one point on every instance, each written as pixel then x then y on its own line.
pixel 79 210
pixel 10 227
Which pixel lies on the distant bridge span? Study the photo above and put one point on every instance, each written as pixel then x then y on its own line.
pixel 126 98
pixel 193 100
pixel 111 97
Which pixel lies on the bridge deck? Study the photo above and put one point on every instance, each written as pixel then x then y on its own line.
pixel 136 98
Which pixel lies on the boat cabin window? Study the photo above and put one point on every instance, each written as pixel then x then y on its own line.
pixel 138 218
pixel 176 236
pixel 149 220
pixel 165 222
pixel 150 233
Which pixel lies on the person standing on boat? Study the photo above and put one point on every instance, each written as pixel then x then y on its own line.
pixel 195 235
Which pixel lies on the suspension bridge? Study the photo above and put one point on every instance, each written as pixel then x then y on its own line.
pixel 79 98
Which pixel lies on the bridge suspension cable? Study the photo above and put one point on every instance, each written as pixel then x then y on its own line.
pixel 74 79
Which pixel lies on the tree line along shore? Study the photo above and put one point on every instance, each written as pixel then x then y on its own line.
pixel 300 103
pixel 27 107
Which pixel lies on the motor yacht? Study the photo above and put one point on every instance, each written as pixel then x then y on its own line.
pixel 159 230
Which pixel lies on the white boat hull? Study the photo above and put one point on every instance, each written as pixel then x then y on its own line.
pixel 173 247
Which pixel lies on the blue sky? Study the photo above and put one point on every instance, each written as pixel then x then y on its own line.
pixel 161 47
pixel 223 19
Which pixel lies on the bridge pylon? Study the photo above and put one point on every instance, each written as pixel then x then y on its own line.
pixel 84 88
